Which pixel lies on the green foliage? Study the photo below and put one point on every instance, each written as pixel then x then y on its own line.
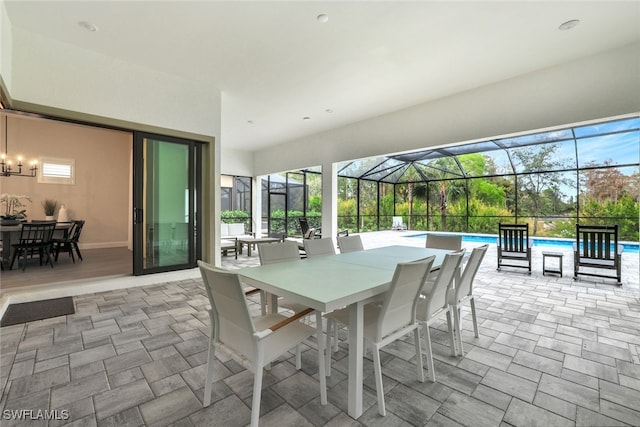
pixel 482 218
pixel 230 217
pixel 624 212
pixel 315 204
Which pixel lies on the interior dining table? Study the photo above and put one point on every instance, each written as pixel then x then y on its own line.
pixel 327 283
pixel 11 234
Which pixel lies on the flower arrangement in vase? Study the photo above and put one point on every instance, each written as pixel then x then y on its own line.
pixel 13 208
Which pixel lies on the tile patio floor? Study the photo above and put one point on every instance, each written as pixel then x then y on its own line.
pixel 552 352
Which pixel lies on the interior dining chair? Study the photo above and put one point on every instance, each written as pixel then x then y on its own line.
pixel 443 241
pixel 34 238
pixel 273 253
pixel 319 247
pixel 350 244
pixel 252 342
pixel 433 303
pixel 69 243
pixel 463 291
pixel 394 318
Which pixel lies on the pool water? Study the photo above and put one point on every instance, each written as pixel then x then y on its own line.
pixel 537 241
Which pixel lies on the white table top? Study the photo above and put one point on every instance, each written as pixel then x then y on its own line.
pixel 327 283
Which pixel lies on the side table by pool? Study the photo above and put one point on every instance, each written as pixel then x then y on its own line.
pixel 556 270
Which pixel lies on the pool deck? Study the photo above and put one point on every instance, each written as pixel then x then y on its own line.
pixel 630 263
pixel 551 351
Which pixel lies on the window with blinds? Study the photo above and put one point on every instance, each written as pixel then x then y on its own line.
pixel 56 171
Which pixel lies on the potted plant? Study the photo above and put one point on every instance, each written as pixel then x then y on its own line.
pixel 13 208
pixel 49 206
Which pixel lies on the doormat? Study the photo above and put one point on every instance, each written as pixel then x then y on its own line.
pixel 37 310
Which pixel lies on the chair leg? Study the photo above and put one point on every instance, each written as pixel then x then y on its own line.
pixel 452 331
pixel 298 358
pixel 429 353
pixel 208 385
pixel 75 246
pixel 13 258
pixel 327 359
pixel 335 337
pixel 257 391
pixel 473 316
pixel 458 328
pixel 419 366
pixel 378 374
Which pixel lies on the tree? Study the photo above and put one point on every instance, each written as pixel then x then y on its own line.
pixel 539 163
pixel 607 184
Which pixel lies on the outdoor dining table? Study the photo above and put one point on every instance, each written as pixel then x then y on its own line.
pixel 327 283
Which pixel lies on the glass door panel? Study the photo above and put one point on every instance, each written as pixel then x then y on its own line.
pixel 165 204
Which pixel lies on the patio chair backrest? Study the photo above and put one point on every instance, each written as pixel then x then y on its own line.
pixel 513 237
pixel 273 253
pixel 232 324
pixel 350 243
pixel 443 241
pixel 598 242
pixel 465 286
pixel 437 296
pixel 399 307
pixel 319 247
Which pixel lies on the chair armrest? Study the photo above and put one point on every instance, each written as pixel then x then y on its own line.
pixel 252 291
pixel 293 318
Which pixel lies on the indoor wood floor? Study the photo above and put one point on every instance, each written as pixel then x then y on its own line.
pixel 96 263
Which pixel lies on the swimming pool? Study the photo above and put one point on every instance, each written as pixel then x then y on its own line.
pixel 537 241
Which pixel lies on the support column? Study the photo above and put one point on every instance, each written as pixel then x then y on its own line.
pixel 329 200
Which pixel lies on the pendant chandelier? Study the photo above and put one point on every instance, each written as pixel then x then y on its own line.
pixel 8 166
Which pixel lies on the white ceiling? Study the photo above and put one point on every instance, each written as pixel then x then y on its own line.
pixel 275 63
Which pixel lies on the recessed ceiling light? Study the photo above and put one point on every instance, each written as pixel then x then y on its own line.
pixel 568 25
pixel 88 26
pixel 329 110
pixel 322 18
pixel 306 118
pixel 250 122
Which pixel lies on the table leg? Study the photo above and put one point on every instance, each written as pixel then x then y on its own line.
pixel 321 356
pixel 356 353
pixel 7 249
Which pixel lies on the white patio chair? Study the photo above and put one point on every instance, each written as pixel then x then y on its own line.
pixel 319 247
pixel 434 303
pixel 443 241
pixel 394 318
pixel 273 253
pixel 397 223
pixel 252 342
pixel 350 244
pixel 463 292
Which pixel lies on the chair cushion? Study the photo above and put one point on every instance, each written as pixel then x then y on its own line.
pixel 236 229
pixel 224 229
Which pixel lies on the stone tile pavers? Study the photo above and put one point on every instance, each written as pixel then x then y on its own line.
pixel 589 330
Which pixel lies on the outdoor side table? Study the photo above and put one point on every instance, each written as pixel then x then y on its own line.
pixel 253 241
pixel 556 270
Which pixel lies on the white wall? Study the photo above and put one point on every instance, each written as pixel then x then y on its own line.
pixel 597 87
pixel 236 162
pixel 5 46
pixel 134 93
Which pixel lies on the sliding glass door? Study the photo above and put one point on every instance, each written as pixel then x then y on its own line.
pixel 166 203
